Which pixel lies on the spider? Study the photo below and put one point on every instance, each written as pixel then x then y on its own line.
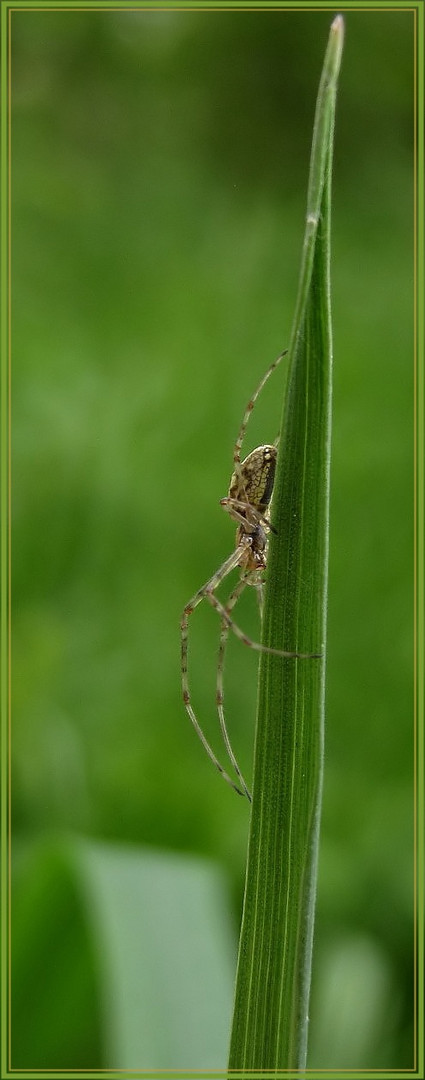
pixel 248 503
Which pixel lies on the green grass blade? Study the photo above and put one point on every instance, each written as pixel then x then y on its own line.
pixel 273 981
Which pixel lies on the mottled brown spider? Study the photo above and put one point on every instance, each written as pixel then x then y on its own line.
pixel 248 503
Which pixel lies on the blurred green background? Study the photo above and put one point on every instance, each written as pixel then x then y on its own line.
pixel 159 170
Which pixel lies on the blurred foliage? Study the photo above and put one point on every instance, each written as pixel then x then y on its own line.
pixel 120 938
pixel 159 166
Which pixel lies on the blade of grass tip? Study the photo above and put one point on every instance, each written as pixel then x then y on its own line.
pixel 274 966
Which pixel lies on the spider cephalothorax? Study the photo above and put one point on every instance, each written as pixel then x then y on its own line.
pixel 248 503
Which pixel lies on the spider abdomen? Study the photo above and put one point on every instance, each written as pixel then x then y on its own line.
pixel 254 479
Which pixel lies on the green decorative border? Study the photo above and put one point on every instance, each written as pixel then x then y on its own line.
pixel 5 517
pixel 416 8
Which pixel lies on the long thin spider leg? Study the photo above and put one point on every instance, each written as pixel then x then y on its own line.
pixel 206 744
pixel 250 406
pixel 259 589
pixel 212 583
pixel 247 414
pixel 240 510
pixel 224 634
pixel 216 603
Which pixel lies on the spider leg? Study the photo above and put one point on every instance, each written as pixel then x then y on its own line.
pixel 204 591
pixel 242 511
pixel 224 635
pixel 259 589
pixel 235 559
pixel 247 414
pixel 209 749
pixel 216 603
